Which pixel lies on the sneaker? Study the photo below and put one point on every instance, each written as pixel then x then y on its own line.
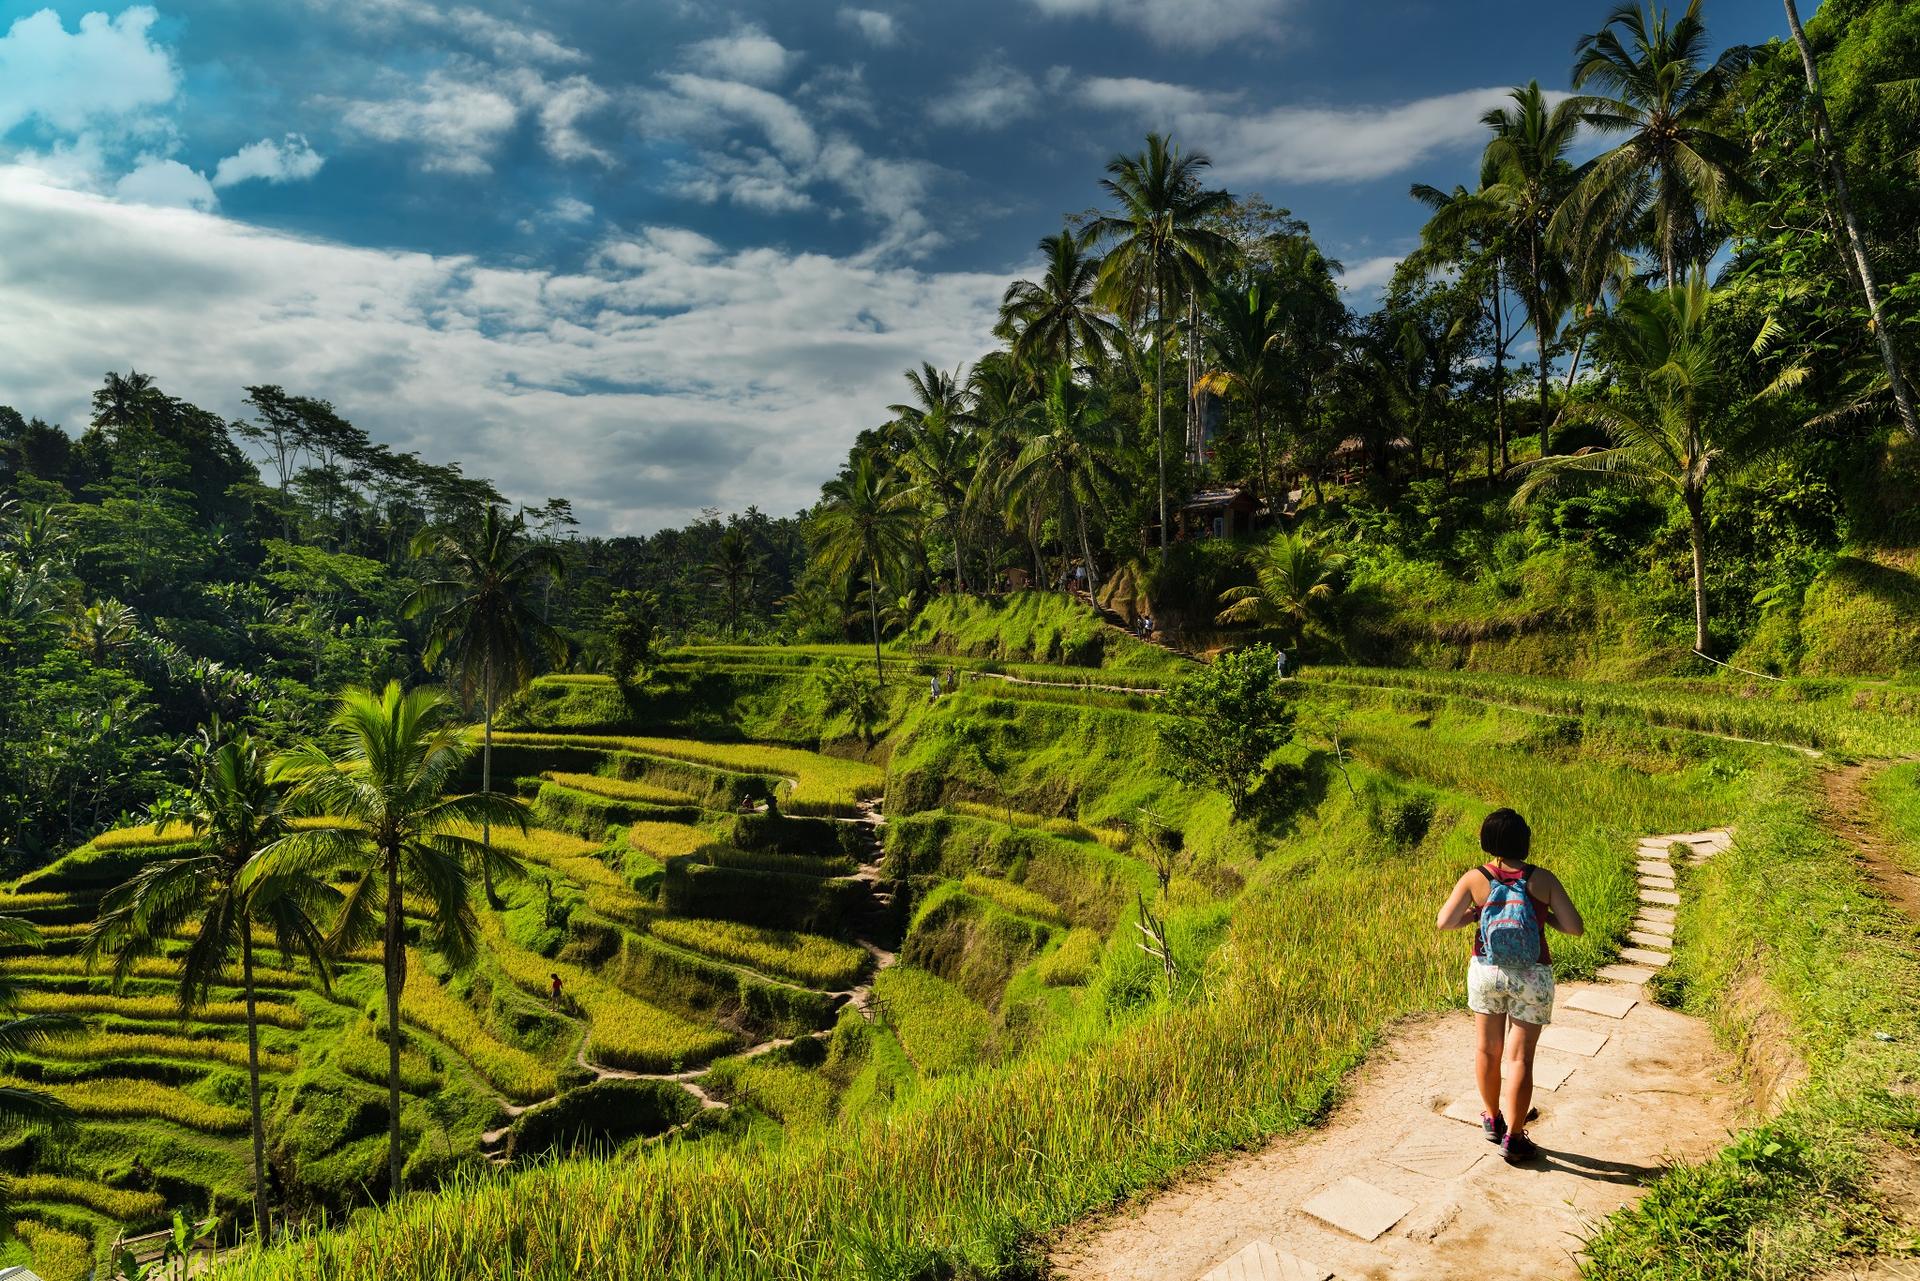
pixel 1518 1147
pixel 1494 1127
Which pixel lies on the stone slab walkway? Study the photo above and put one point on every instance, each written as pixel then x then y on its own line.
pixel 1400 1183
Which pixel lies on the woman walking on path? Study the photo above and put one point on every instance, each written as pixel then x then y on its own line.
pixel 1510 978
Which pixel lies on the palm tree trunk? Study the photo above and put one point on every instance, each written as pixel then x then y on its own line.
pixel 396 968
pixel 486 788
pixel 1160 405
pixel 1260 443
pixel 1540 335
pixel 873 610
pixel 1697 529
pixel 1086 554
pixel 1500 368
pixel 1856 242
pixel 953 532
pixel 260 1225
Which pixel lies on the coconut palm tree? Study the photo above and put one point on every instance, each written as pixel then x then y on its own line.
pixel 1160 247
pixel 936 393
pixel 1069 468
pixel 941 459
pixel 1295 585
pixel 483 622
pixel 1856 240
pixel 101 630
pixel 1467 232
pixel 1680 158
pixel 1000 413
pixel 218 894
pixel 864 528
pixel 1055 320
pixel 1527 160
pixel 1248 331
pixel 1677 418
pixel 735 564
pixel 380 782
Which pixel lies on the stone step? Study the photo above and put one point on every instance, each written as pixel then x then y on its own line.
pixel 1646 956
pixel 1262 1261
pixel 1647 925
pixel 1660 898
pixel 1358 1208
pixel 1657 942
pixel 1629 974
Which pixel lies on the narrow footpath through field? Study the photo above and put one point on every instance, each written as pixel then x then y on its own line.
pixel 1400 1183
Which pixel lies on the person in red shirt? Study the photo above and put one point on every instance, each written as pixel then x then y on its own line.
pixel 1510 975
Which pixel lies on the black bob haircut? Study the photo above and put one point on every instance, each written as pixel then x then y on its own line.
pixel 1506 835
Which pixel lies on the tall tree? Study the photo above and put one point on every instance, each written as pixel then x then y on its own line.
pixel 1856 241
pixel 941 459
pixel 380 783
pixel 1069 467
pixel 1467 232
pixel 1248 330
pixel 1531 178
pixel 1679 162
pixel 732 569
pixel 1161 246
pixel 1677 418
pixel 864 526
pixel 1055 321
pixel 217 894
pixel 483 623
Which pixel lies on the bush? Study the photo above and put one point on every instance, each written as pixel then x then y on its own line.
pixel 1398 813
pixel 601 1114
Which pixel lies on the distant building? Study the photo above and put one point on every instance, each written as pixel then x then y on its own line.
pixel 1217 513
pixel 19 1273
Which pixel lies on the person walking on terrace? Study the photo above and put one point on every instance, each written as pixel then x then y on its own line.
pixel 1511 903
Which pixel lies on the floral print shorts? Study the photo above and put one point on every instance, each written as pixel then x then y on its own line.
pixel 1523 992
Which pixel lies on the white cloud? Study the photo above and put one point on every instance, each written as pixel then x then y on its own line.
pixel 746 53
pixel 571 209
pixel 878 28
pixel 1369 274
pixel 1190 24
pixel 669 375
pixel 778 173
pixel 991 96
pixel 156 181
pixel 457 120
pixel 460 114
pixel 292 159
pixel 106 69
pixel 509 41
pixel 1301 144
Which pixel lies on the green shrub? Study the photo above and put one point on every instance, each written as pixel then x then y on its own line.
pixel 1398 813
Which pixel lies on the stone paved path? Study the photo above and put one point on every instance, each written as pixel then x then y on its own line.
pixel 1401 1184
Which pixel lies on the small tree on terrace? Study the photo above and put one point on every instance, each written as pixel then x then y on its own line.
pixel 848 691
pixel 864 529
pixel 630 622
pixel 1223 722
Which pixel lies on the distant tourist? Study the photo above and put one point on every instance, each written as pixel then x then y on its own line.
pixel 953 681
pixel 1280 664
pixel 933 688
pixel 554 993
pixel 1510 978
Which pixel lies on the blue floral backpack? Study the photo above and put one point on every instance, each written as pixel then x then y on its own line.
pixel 1509 925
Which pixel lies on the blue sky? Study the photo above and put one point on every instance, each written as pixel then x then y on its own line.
pixel 659 256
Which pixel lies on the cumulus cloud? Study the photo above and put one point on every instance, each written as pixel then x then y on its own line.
pixel 106 69
pixel 746 53
pixel 667 375
pixel 157 181
pixel 1189 24
pixel 759 150
pixel 991 96
pixel 292 159
pixel 460 114
pixel 1369 275
pixel 878 28
pixel 1301 144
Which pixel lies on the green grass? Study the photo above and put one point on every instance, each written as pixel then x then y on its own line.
pixel 1785 947
pixel 803 958
pixel 942 1030
pixel 94 1046
pixel 1820 715
pixel 160 1008
pixel 622 1030
pixel 428 1005
pixel 825 785
pixel 619 789
pixel 124 1204
pixel 124 1098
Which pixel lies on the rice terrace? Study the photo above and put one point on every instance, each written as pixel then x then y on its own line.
pixel 1355 714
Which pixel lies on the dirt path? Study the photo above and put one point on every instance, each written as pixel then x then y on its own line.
pixel 1400 1182
pixel 1847 813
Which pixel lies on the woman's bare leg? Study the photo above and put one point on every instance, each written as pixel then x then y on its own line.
pixel 1491 1032
pixel 1518 1074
